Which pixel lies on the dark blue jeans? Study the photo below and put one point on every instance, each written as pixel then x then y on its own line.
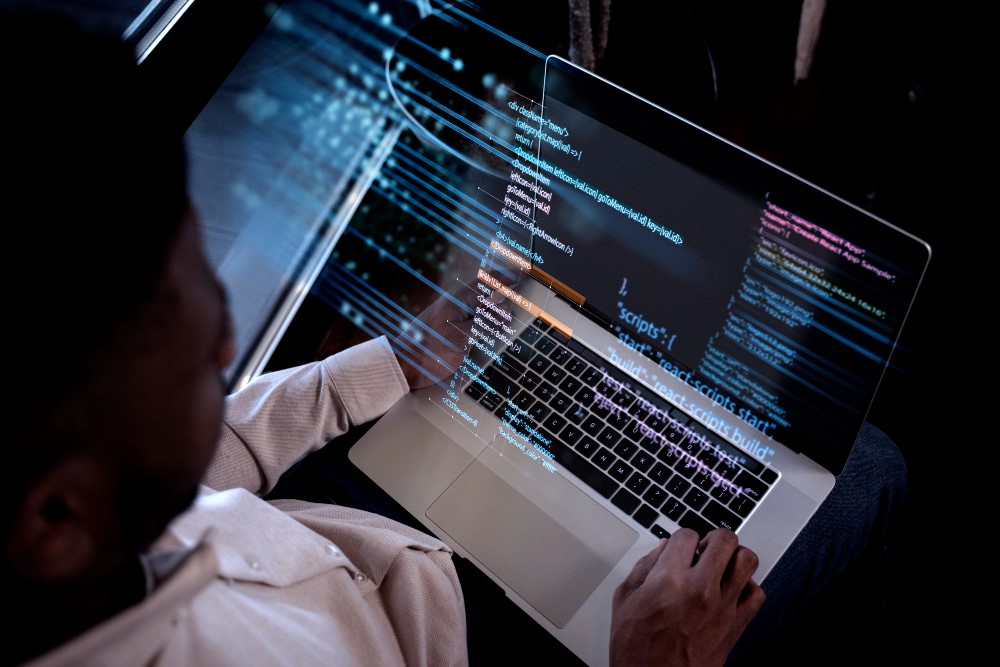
pixel 853 527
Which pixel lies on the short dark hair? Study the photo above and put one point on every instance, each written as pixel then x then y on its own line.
pixel 94 195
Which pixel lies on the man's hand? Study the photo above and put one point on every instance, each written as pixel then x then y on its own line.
pixel 432 347
pixel 686 602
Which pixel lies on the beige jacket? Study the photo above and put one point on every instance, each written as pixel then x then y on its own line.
pixel 240 581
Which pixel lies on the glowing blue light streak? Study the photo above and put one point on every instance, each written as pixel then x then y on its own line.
pixel 441 199
pixel 395 321
pixel 824 303
pixel 499 33
pixel 430 102
pixel 459 241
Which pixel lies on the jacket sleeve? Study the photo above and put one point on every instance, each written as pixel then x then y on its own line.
pixel 281 416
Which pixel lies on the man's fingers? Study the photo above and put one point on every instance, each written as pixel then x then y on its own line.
pixel 739 571
pixel 716 550
pixel 680 550
pixel 640 570
pixel 751 599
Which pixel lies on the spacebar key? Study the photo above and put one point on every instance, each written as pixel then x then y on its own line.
pixel 586 471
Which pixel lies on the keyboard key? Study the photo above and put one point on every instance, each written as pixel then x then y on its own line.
pixel 592 425
pixel 686 467
pixel 576 365
pixel 585 353
pixel 695 522
pixel 651 445
pixel 523 400
pixel 583 469
pixel 720 516
pixel 539 363
pixel 560 402
pixel 603 459
pixel 587 447
pixel 643 460
pixel 592 376
pixel 742 505
pixel 545 391
pixel 606 387
pixel 669 455
pixel 728 469
pixel 637 483
pixel 623 399
pixel 510 365
pixel 696 498
pixel 645 516
pixel 504 411
pixel 701 439
pixel 571 434
pixel 545 344
pixel 558 336
pixel 505 386
pixel 570 385
pixel 657 421
pixel 690 446
pixel 576 414
pixel 491 401
pixel 640 409
pixel 539 411
pixel 703 480
pixel 531 334
pixel 554 422
pixel 600 407
pixel 585 396
pixel 660 474
pixel 659 531
pixel 618 419
pixel 673 508
pixel 655 496
pixel 608 437
pixel 769 475
pixel 634 430
pixel 712 456
pixel 626 449
pixel 715 486
pixel 752 485
pixel 625 501
pixel 677 485
pixel 560 355
pixel 529 380
pixel 555 374
pixel 674 432
pixel 520 351
pixel 540 324
pixel 620 470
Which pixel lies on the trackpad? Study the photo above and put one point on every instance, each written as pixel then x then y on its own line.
pixel 535 551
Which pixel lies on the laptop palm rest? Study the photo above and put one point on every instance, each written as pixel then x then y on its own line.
pixel 554 557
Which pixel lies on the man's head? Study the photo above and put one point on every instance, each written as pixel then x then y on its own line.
pixel 117 327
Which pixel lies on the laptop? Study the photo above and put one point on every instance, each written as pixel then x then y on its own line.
pixel 670 332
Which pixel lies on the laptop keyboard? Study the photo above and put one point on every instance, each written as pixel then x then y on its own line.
pixel 627 443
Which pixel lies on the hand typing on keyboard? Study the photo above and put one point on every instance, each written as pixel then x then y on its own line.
pixel 686 602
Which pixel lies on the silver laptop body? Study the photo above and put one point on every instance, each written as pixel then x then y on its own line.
pixel 488 480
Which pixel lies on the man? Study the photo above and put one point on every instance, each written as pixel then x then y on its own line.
pixel 133 526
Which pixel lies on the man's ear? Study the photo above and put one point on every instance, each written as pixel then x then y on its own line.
pixel 63 522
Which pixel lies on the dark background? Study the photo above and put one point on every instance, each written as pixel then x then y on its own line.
pixel 886 120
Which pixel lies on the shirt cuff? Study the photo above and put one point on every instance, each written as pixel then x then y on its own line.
pixel 367 378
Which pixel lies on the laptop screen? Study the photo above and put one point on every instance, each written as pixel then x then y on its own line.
pixel 774 299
